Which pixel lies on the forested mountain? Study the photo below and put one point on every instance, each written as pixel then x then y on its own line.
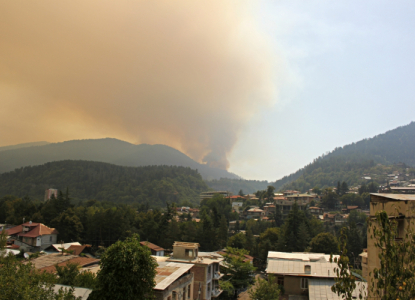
pixel 235 185
pixel 88 180
pixel 350 162
pixel 106 150
pixel 24 145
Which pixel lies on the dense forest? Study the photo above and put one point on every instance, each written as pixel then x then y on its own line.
pixel 103 223
pixel 88 180
pixel 236 185
pixel 351 162
pixel 104 150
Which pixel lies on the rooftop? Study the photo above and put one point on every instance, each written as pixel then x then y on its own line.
pixel 396 197
pixel 297 268
pixel 300 256
pixel 152 246
pixel 168 272
pixel 186 245
pixel 81 261
pixel 35 230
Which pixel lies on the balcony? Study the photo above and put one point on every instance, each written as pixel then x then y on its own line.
pixel 216 292
pixel 217 276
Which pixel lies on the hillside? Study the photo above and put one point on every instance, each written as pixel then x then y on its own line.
pixel 351 162
pixel 24 145
pixel 106 150
pixel 106 182
pixel 235 185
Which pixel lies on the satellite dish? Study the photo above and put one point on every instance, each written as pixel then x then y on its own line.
pixel 26 256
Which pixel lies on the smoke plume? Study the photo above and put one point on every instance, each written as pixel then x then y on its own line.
pixel 188 74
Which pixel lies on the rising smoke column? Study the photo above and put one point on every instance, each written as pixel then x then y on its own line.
pixel 189 74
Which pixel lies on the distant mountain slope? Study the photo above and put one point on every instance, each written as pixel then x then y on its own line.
pixel 106 150
pixel 350 162
pixel 235 185
pixel 102 181
pixel 24 145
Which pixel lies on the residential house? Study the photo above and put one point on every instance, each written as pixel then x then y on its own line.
pixel 155 250
pixel 254 213
pixel 269 210
pixel 307 276
pixel 49 193
pixel 47 263
pixel 316 211
pixel 290 192
pixel 399 207
pixel 33 236
pixel 206 269
pixel 404 190
pixel 349 208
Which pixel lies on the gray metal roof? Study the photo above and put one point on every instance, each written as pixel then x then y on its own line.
pixel 78 291
pixel 399 197
pixel 297 268
pixel 302 256
pixel 320 289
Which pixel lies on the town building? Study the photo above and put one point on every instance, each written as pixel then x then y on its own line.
pixel 210 194
pixel 155 250
pixel 206 268
pixel 307 276
pixel 316 211
pixel 399 207
pixel 49 193
pixel 403 190
pixel 33 236
pixel 254 213
pixel 174 281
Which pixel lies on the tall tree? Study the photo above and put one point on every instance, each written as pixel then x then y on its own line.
pixel 324 243
pixel 127 272
pixel 265 289
pixel 223 232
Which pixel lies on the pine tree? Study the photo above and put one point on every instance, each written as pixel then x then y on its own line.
pixel 250 240
pixel 223 232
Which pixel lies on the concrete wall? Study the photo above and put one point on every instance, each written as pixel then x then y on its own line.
pixel 46 242
pixel 392 208
pixel 292 286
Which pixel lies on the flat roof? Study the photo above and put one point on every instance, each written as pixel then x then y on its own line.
pixel 169 272
pixel 396 197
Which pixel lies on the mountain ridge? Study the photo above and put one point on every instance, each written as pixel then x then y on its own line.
pixel 108 150
pixel 343 163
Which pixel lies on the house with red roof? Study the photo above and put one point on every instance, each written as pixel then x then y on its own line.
pixel 33 236
pixel 155 250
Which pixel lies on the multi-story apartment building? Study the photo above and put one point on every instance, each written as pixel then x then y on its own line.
pixel 205 269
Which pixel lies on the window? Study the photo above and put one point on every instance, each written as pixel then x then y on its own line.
pixel 280 281
pixel 188 291
pixel 184 293
pixel 189 253
pixel 51 238
pixel 304 283
pixel 307 269
pixel 174 295
pixel 209 269
pixel 169 298
pixel 208 288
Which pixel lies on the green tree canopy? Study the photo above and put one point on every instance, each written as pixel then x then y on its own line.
pixel 324 243
pixel 127 272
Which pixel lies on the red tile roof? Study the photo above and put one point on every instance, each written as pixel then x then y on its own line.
pixel 152 246
pixel 77 249
pixel 81 261
pixel 35 230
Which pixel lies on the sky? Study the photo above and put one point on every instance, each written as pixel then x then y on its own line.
pixel 258 87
